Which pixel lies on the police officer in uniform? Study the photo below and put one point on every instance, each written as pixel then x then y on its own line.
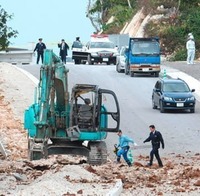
pixel 156 138
pixel 40 47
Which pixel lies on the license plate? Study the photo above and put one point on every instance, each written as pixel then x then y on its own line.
pixel 105 59
pixel 145 69
pixel 179 104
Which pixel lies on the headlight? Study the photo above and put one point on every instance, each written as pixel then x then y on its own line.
pixel 190 98
pixel 167 98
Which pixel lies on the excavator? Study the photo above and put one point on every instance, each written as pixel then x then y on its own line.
pixel 63 122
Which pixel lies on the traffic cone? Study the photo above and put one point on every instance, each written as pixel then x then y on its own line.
pixel 164 74
pixel 130 156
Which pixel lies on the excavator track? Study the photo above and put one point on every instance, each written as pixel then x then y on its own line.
pixel 98 153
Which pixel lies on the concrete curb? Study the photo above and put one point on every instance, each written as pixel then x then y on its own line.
pixel 30 76
pixel 116 190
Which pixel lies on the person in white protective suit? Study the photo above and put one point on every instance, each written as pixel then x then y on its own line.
pixel 190 46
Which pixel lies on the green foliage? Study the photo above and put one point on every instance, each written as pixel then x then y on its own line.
pixel 5 31
pixel 171 30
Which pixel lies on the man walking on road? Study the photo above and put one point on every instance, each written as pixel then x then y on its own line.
pixel 40 47
pixel 190 46
pixel 156 138
pixel 63 50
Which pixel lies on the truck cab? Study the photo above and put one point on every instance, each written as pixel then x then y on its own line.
pixel 143 56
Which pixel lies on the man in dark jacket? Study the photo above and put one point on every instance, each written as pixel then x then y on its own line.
pixel 156 138
pixel 63 50
pixel 40 47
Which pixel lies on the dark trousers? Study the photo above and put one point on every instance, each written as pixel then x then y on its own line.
pixel 155 152
pixel 63 56
pixel 40 54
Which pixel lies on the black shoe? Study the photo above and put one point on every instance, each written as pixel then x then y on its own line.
pixel 149 164
pixel 160 165
pixel 129 164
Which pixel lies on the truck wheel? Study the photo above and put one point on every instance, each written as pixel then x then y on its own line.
pixel 108 63
pixel 156 74
pixel 76 61
pixel 132 74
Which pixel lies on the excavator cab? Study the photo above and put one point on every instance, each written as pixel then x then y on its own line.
pixel 89 109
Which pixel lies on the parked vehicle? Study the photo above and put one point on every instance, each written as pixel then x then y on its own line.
pixel 143 56
pixel 101 50
pixel 79 53
pixel 173 94
pixel 121 60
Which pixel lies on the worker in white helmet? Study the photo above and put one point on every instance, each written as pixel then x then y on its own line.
pixel 190 46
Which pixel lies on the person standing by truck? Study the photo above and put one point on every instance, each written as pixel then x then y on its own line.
pixel 40 47
pixel 63 50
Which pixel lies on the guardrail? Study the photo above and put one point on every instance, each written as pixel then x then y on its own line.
pixel 17 57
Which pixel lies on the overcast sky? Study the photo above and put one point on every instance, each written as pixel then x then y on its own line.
pixel 49 19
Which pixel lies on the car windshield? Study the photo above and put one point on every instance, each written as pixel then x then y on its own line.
pixel 175 87
pixel 102 45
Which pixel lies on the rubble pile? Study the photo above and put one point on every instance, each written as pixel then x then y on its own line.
pixel 180 174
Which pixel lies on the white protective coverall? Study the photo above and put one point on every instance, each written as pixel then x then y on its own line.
pixel 190 46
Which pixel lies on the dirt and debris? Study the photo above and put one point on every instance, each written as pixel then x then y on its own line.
pixel 71 175
pixel 180 174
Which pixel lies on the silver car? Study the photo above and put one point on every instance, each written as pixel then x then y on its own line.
pixel 121 60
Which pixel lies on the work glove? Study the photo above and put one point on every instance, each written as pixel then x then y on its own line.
pixel 144 142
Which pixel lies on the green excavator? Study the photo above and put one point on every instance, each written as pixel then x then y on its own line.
pixel 77 123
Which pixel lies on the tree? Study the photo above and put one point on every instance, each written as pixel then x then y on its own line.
pixel 5 32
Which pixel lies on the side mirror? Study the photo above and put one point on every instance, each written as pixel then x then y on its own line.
pixel 193 90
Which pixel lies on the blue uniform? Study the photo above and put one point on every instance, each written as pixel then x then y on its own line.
pixel 124 147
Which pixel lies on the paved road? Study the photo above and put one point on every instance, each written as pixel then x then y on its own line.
pixel 135 104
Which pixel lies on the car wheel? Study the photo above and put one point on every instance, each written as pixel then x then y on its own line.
pixel 89 60
pixel 126 71
pixel 153 104
pixel 162 110
pixel 192 110
pixel 118 69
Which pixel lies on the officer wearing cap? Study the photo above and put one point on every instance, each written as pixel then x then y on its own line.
pixel 40 47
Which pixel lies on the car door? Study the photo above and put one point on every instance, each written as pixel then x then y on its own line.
pixel 157 93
